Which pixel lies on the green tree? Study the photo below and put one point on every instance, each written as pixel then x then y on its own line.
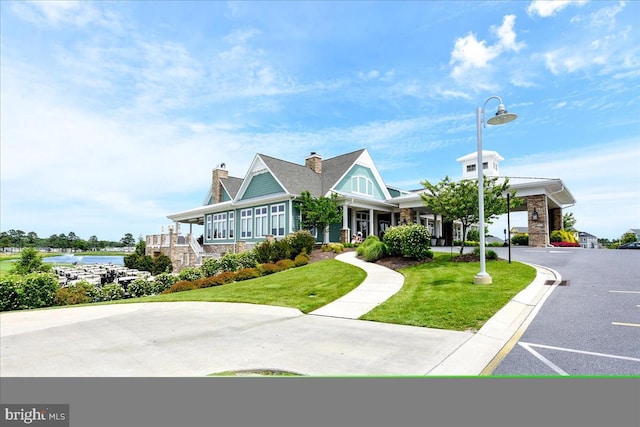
pixel 568 221
pixel 128 240
pixel 30 262
pixel 628 237
pixel 319 212
pixel 5 240
pixel 93 242
pixel 458 200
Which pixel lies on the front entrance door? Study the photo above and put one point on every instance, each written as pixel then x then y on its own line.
pixel 362 224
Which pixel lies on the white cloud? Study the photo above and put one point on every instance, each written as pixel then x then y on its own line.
pixel 471 58
pixel 547 8
pixel 67 12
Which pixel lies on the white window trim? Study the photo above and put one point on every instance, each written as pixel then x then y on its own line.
pixel 232 224
pixel 362 185
pixel 246 223
pixel 219 227
pixel 261 218
pixel 278 220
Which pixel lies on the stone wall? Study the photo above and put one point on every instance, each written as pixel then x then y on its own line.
pixel 406 216
pixel 538 230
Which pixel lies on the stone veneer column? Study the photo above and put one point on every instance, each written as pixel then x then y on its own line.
pixel 556 219
pixel 344 235
pixel 241 246
pixel 406 216
pixel 538 230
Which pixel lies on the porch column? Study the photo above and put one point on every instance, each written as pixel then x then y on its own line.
pixel 393 219
pixel 538 230
pixel 345 235
pixel 556 219
pixel 371 222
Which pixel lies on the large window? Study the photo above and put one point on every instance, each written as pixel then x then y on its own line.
pixel 245 223
pixel 209 227
pixel 232 225
pixel 262 226
pixel 362 185
pixel 220 226
pixel 277 220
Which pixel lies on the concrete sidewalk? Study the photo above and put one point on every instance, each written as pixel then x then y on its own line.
pixel 380 284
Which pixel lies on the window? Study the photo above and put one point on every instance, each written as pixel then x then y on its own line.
pixel 471 168
pixel 362 185
pixel 245 223
pixel 232 225
pixel 209 227
pixel 277 220
pixel 485 165
pixel 220 226
pixel 261 227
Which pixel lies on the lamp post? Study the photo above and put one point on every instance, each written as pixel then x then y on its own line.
pixel 501 117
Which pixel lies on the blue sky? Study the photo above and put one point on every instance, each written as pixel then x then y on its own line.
pixel 115 113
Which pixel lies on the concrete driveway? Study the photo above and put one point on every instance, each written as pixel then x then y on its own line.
pixel 199 338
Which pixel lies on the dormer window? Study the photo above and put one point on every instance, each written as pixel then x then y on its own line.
pixel 471 168
pixel 362 185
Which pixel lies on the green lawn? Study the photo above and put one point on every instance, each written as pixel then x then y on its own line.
pixel 305 288
pixel 441 294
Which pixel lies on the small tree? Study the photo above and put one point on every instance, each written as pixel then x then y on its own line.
pixel 568 221
pixel 319 212
pixel 30 262
pixel 628 237
pixel 458 200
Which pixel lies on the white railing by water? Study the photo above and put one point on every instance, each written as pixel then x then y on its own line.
pixel 197 249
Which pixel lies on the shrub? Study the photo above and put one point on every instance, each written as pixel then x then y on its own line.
pixel 488 254
pixel 269 268
pixel 234 262
pixel 333 247
pixel 161 264
pixel 562 236
pixel 371 239
pixel 109 292
pixel 285 264
pixel 190 274
pixel 210 267
pixel 411 241
pixel 39 290
pixel 264 252
pixel 281 250
pixel 76 293
pixel 140 287
pixel 162 282
pixel 302 259
pixel 181 286
pixel 246 274
pixel 374 251
pixel 393 239
pixel 473 235
pixel 300 241
pixel 10 298
pixel 224 278
pixel 521 239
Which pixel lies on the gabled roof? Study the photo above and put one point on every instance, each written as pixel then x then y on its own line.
pixel 232 185
pixel 295 178
pixel 334 168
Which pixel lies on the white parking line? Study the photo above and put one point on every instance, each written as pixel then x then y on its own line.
pixel 557 369
pixel 625 292
pixel 637 325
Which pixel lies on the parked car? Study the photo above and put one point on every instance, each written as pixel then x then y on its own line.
pixel 632 245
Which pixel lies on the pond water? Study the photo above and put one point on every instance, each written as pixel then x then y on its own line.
pixel 85 259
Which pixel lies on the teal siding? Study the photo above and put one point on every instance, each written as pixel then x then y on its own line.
pixel 394 193
pixel 262 185
pixel 334 232
pixel 211 234
pixel 357 170
pixel 270 224
pixel 225 195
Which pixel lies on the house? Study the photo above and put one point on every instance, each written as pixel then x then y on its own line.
pixel 239 212
pixel 587 240
pixel 635 231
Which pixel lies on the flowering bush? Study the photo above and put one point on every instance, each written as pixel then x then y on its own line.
pixel 565 244
pixel 411 241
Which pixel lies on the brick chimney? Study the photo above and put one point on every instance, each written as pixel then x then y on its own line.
pixel 314 161
pixel 216 186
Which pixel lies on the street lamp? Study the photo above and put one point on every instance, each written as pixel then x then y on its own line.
pixel 501 117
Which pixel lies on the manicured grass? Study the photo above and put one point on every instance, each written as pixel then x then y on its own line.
pixel 441 294
pixel 305 288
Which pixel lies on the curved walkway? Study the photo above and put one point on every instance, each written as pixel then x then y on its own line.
pixel 380 284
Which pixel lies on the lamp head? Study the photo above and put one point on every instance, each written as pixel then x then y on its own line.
pixel 502 116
